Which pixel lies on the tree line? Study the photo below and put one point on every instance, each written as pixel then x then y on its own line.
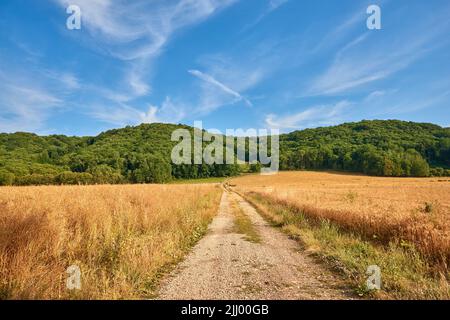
pixel 141 154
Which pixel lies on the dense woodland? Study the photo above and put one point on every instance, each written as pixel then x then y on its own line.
pixel 383 148
pixel 141 154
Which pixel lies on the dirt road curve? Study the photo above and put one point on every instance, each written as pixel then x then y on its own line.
pixel 223 265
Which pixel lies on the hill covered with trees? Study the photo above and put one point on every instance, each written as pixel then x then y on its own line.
pixel 141 154
pixel 378 147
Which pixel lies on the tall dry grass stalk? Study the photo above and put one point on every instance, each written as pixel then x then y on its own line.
pixel 121 237
pixel 408 211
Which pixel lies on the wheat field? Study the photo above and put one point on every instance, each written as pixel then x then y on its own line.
pixel 121 237
pixel 407 210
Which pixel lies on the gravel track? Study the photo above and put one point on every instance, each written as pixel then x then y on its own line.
pixel 223 265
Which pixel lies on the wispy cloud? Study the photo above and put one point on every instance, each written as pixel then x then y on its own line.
pixel 340 31
pixel 138 86
pixel 272 5
pixel 119 108
pixel 209 79
pixel 335 59
pixel 314 116
pixel 349 71
pixel 25 107
pixel 415 104
pixel 123 114
pixel 378 95
pixel 275 4
pixel 30 96
pixel 228 81
pixel 364 60
pixel 70 81
pixel 67 80
pixel 146 25
pixel 374 95
pixel 119 115
pixel 135 34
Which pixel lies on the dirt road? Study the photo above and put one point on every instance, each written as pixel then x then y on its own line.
pixel 224 265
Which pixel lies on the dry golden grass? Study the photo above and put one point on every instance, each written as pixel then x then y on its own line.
pixel 407 210
pixel 121 237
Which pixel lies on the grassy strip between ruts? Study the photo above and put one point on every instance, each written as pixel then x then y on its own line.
pixel 405 274
pixel 243 224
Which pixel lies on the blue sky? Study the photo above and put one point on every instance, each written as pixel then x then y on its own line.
pixel 286 64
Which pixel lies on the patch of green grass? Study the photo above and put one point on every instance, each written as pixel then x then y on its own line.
pixel 404 273
pixel 243 224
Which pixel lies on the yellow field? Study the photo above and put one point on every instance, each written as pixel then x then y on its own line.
pixel 413 210
pixel 121 237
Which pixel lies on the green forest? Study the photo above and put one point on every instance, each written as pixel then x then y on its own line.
pixel 141 154
pixel 382 148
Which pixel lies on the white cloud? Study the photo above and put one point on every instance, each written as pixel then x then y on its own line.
pixel 65 81
pixel 271 6
pixel 124 114
pixel 374 95
pixel 70 81
pixel 412 104
pixel 137 84
pixel 150 116
pixel 376 55
pixel 135 33
pixel 209 79
pixel 172 111
pixel 352 69
pixel 119 115
pixel 115 96
pixel 339 32
pixel 30 96
pixel 226 81
pixel 275 4
pixel 314 116
pixel 243 73
pixel 25 107
pixel 140 29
